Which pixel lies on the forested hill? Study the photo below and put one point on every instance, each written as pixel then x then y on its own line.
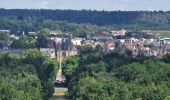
pixel 93 17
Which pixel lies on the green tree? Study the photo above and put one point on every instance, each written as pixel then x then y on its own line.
pixel 24 42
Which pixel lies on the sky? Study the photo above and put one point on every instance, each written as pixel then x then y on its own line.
pixel 107 5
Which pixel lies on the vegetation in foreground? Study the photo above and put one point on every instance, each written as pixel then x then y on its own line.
pixel 116 77
pixel 27 77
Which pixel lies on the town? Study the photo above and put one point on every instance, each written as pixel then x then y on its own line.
pixel 145 43
pixel 48 54
pixel 84 50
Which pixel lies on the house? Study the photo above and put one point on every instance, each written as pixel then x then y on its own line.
pixel 4 31
pixel 55 32
pixel 118 33
pixel 77 41
pixel 110 45
pixel 56 39
pixel 165 41
pixel 167 49
pixel 102 36
pixel 66 48
pixel 131 40
pixel 32 33
pixel 87 42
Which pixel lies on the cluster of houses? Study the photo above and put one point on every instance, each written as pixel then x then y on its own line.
pixel 137 42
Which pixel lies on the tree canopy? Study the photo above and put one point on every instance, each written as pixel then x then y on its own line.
pixel 27 77
pixel 116 77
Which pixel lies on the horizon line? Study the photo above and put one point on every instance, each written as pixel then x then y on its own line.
pixel 86 10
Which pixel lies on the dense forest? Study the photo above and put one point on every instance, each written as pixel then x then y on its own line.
pixel 96 76
pixel 29 76
pixel 84 21
pixel 93 17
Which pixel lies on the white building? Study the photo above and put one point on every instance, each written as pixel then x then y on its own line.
pixel 4 31
pixel 165 41
pixel 118 33
pixel 55 32
pixel 77 41
pixel 56 39
pixel 32 33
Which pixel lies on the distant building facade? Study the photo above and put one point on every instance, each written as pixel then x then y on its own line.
pixel 118 33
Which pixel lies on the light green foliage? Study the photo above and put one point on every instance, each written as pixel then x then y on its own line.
pixel 166 58
pixel 44 31
pixel 162 34
pixel 167 98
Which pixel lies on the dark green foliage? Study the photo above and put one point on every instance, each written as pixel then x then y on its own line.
pixel 116 77
pixel 24 42
pixel 43 39
pixel 20 87
pixel 93 17
pixel 46 70
pixel 34 20
pixel 18 80
pixel 27 77
pixel 4 36
pixel 166 58
pixel 70 64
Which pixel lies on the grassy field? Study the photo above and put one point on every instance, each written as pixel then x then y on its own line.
pixel 162 34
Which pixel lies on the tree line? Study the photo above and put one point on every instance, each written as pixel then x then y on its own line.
pixel 93 17
pixel 82 22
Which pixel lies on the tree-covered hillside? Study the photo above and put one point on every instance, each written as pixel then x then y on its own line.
pixel 93 17
pixel 33 20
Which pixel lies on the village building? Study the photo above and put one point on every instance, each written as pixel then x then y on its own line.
pixel 102 36
pixel 118 33
pixel 87 42
pixel 77 41
pixel 32 33
pixel 165 41
pixel 4 31
pixel 53 32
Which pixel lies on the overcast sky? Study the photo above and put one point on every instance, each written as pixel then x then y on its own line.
pixel 110 5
